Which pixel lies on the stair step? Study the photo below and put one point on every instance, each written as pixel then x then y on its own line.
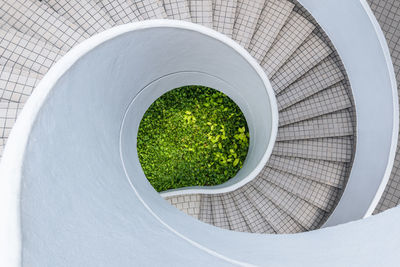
pixel 307 215
pixel 16 85
pixel 330 100
pixel 329 125
pixel 276 217
pixel 272 19
pixel 120 11
pixel 83 13
pixel 235 217
pixel 220 218
pixel 309 54
pixel 4 25
pixel 326 172
pixel 324 75
pixel 177 9
pixel 247 16
pixel 205 214
pixel 320 195
pixel 332 149
pixel 293 34
pixel 32 54
pixel 224 16
pixel 43 24
pixel 254 219
pixel 8 115
pixel 150 9
pixel 201 12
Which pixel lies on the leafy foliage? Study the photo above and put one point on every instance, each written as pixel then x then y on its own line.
pixel 192 136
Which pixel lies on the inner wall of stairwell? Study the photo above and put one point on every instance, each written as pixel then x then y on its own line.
pixel 191 57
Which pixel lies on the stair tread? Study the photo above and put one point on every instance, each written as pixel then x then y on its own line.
pixel 220 218
pixel 224 16
pixel 254 219
pixel 83 13
pixel 281 222
pixel 28 40
pixel 271 21
pixel 235 217
pixel 205 214
pixel 320 195
pixel 33 55
pixel 4 25
pixel 330 100
pixel 9 112
pixel 150 9
pixel 328 125
pixel 177 9
pixel 292 35
pixel 201 12
pixel 247 16
pixel 120 11
pixel 332 149
pixel 327 172
pixel 16 85
pixel 307 56
pixel 304 213
pixel 43 24
pixel 324 75
pixel 8 115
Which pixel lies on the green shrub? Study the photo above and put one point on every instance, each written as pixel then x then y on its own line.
pixel 192 136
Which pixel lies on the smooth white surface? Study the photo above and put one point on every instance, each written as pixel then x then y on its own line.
pixel 362 48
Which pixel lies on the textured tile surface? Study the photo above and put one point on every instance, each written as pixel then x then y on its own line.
pixel 42 23
pixel 330 100
pixel 252 216
pixel 247 15
pixel 234 216
pixel 330 125
pixel 205 213
pixel 219 215
pixel 280 221
pixel 177 9
pixel 120 11
pixel 16 85
pixel 333 149
pixel 190 204
pixel 83 13
pixel 201 12
pixel 320 195
pixel 272 19
pixel 308 55
pixel 327 172
pixel 26 53
pixel 224 16
pixel 150 9
pixel 324 75
pixel 307 215
pixel 291 36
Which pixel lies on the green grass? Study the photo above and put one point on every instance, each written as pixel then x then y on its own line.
pixel 192 136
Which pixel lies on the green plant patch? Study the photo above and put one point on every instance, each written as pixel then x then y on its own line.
pixel 192 136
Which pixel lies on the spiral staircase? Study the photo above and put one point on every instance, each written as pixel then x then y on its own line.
pixel 306 175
